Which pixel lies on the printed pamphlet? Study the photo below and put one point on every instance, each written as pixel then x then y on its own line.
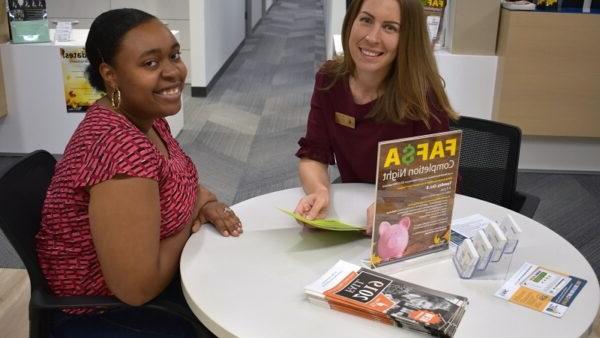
pixel 416 182
pixel 434 17
pixel 484 249
pixel 542 289
pixel 63 31
pixel 497 239
pixel 467 227
pixel 363 292
pixel 513 231
pixel 466 258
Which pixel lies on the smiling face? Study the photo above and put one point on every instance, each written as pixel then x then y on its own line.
pixel 374 37
pixel 149 72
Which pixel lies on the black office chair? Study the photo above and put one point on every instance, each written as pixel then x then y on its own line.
pixel 489 160
pixel 22 191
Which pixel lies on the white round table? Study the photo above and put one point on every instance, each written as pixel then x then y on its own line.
pixel 252 286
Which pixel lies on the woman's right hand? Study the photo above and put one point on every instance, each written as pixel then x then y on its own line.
pixel 210 210
pixel 314 205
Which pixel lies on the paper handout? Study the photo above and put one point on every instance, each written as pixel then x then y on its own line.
pixel 326 224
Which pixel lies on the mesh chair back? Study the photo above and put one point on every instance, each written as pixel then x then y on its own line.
pixel 489 159
pixel 22 192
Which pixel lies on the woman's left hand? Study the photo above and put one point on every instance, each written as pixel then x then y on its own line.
pixel 223 218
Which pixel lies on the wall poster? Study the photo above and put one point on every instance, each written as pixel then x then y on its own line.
pixel 79 93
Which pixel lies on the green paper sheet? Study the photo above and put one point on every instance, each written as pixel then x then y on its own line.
pixel 326 224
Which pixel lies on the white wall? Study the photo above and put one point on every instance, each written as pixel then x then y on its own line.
pixel 560 153
pixel 268 4
pixel 256 12
pixel 174 13
pixel 37 117
pixel 334 12
pixel 216 29
pixel 197 75
pixel 470 81
pixel 76 9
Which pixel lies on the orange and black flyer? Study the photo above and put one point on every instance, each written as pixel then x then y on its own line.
pixel 369 294
pixel 416 183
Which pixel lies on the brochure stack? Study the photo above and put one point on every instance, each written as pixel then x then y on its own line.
pixel 363 292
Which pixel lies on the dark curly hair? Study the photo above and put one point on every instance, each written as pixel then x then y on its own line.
pixel 105 36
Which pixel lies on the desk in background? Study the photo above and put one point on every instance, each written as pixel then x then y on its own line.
pixel 549 73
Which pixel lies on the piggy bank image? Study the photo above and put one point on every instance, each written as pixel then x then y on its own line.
pixel 393 239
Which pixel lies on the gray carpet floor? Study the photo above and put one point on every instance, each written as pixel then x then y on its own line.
pixel 243 135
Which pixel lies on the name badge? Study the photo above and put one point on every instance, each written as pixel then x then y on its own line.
pixel 345 120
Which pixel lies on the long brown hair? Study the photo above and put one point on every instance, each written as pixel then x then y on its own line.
pixel 413 76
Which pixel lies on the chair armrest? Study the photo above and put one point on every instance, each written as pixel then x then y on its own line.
pixel 43 300
pixel 47 301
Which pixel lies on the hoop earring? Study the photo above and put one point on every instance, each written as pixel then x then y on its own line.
pixel 115 99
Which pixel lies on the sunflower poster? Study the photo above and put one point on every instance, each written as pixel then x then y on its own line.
pixel 79 94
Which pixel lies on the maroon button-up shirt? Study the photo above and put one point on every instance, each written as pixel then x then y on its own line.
pixel 353 149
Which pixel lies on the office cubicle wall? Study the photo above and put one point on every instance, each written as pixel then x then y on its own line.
pixel 217 28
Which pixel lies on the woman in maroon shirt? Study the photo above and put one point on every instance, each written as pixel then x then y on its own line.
pixel 386 86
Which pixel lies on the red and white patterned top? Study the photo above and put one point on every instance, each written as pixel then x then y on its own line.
pixel 106 144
